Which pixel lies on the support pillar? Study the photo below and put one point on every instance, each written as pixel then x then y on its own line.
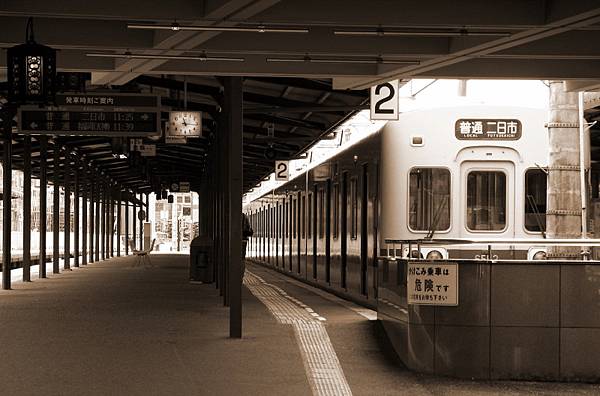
pixel 97 222
pixel 43 203
pixel 6 199
pixel 76 213
pixel 234 108
pixel 126 227
pixel 67 231
pixel 103 213
pixel 84 223
pixel 27 208
pixel 56 212
pixel 141 222
pixel 133 222
pixel 119 198
pixel 91 197
pixel 563 214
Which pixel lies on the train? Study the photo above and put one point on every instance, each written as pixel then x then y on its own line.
pixel 449 172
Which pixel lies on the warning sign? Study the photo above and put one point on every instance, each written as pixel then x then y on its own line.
pixel 430 283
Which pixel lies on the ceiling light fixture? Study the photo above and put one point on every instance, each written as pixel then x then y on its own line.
pixel 244 28
pixel 420 33
pixel 346 60
pixel 129 55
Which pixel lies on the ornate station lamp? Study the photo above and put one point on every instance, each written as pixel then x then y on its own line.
pixel 31 71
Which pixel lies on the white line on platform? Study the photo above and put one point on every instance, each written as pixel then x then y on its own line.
pixel 321 363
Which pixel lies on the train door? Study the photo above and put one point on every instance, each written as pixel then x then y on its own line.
pixel 487 199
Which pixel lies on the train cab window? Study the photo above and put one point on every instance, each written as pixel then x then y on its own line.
pixel 429 193
pixel 536 182
pixel 486 200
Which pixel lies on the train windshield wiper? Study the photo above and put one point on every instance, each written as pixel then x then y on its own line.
pixel 537 215
pixel 436 217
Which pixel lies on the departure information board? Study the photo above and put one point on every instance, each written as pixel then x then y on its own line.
pixel 93 115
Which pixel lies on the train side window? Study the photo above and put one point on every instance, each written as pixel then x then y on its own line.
pixel 429 195
pixel 536 182
pixel 486 200
pixel 321 213
pixel 336 210
pixel 303 216
pixel 294 218
pixel 353 208
pixel 309 218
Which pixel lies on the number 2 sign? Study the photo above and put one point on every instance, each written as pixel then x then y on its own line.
pixel 282 170
pixel 384 101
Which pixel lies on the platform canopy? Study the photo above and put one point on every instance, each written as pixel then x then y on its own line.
pixel 306 64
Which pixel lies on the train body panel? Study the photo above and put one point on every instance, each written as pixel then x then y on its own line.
pixel 462 176
pixel 415 177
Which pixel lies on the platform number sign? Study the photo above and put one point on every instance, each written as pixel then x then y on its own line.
pixel 384 101
pixel 282 170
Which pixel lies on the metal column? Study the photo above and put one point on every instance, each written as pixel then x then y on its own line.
pixel 43 203
pixel 119 223
pixel 67 216
pixel 97 222
pixel 84 222
pixel 55 212
pixel 103 213
pixel 111 221
pixel 76 214
pixel 6 198
pixel 91 197
pixel 234 108
pixel 26 208
pixel 133 232
pixel 141 222
pixel 126 227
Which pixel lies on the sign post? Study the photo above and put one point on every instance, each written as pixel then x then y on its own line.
pixel 385 101
pixel 430 283
pixel 282 170
pixel 93 115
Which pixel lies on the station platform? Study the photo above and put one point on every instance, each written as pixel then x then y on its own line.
pixel 114 328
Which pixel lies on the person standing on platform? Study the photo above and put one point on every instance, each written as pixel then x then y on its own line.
pixel 247 232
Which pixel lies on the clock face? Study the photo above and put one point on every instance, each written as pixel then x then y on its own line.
pixel 185 123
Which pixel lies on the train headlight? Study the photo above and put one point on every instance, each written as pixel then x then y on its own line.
pixel 434 255
pixel 541 255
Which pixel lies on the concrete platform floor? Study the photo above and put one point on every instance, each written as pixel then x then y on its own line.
pixel 109 328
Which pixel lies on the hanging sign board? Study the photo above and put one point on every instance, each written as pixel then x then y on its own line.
pixel 384 101
pixel 430 283
pixel 184 187
pixel 93 115
pixel 147 150
pixel 282 170
pixel 487 129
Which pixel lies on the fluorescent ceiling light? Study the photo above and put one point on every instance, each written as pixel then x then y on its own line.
pixel 420 33
pixel 166 57
pixel 252 29
pixel 346 60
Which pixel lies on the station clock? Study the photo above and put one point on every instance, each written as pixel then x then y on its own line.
pixel 185 123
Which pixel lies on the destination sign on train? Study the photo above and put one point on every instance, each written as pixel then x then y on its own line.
pixel 487 129
pixel 93 115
